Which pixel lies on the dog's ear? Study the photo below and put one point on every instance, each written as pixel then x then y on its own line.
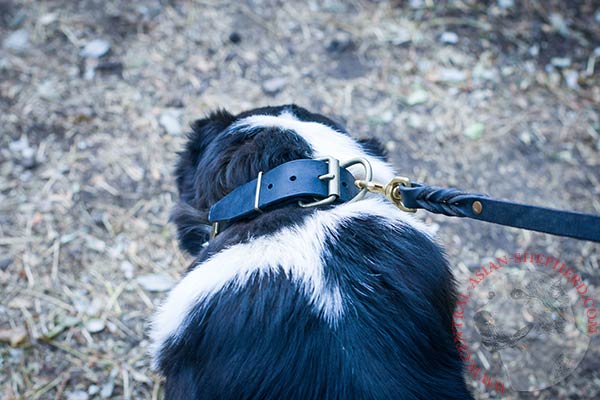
pixel 192 224
pixel 203 132
pixel 192 227
pixel 373 147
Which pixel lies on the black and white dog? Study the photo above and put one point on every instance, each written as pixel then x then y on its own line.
pixel 347 301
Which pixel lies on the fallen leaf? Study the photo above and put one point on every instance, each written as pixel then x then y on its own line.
pixel 475 131
pixel 13 336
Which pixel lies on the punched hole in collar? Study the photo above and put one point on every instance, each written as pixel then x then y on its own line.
pixel 270 186
pixel 293 178
pixel 344 184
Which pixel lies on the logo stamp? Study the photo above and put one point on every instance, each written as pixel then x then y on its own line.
pixel 523 322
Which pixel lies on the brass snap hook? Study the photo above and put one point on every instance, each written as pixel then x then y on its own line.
pixel 391 190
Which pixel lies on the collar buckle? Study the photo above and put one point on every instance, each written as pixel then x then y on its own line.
pixel 333 185
pixel 333 176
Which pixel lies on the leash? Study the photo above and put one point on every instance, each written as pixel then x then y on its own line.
pixel 327 181
pixel 410 196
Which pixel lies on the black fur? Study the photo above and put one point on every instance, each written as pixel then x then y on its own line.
pixel 264 341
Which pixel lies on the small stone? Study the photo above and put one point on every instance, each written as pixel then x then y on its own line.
pixel 48 91
pixel 597 16
pixel 564 155
pixel 534 50
pixel 95 325
pixel 526 138
pixel 419 96
pixel 452 75
pixel 507 70
pixel 416 4
pixel 15 356
pixel 127 269
pixel 13 336
pixel 27 159
pixel 387 116
pixel 598 145
pixel 150 12
pixel 169 121
pixel 94 243
pixel 475 131
pixel 482 73
pixel 156 282
pixel 94 307
pixel 506 4
pixel 93 390
pixel 47 19
pixel 78 395
pixel 5 262
pixel 559 24
pixel 17 41
pixel 572 79
pixel 235 37
pixel 449 38
pixel 561 62
pixel 95 49
pixel 107 389
pixel 274 85
pixel 415 121
pixel 24 153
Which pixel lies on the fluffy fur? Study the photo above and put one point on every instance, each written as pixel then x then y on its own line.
pixel 350 301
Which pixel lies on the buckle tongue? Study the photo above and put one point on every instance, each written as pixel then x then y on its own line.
pixel 333 184
pixel 334 177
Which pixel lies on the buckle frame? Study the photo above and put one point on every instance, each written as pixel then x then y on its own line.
pixel 333 184
pixel 333 176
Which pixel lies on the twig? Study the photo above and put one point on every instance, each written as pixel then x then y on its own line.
pixel 51 299
pixel 156 389
pixel 82 357
pixel 44 388
pixel 457 21
pixel 55 257
pixel 126 388
pixel 8 241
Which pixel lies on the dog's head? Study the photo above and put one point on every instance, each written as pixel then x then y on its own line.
pixel 225 151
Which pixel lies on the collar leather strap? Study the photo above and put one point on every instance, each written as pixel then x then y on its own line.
pixel 456 203
pixel 295 180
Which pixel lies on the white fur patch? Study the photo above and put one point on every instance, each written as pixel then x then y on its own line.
pixel 295 251
pixel 324 140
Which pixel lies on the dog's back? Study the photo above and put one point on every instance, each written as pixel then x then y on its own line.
pixel 349 301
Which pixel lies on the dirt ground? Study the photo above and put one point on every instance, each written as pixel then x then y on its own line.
pixel 499 97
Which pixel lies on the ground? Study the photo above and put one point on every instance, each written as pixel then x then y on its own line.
pixel 494 97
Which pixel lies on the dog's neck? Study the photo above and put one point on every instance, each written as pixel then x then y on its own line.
pixel 245 230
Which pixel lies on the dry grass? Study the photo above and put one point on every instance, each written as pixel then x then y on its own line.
pixel 90 216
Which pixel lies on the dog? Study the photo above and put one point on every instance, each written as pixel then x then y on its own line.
pixel 350 300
